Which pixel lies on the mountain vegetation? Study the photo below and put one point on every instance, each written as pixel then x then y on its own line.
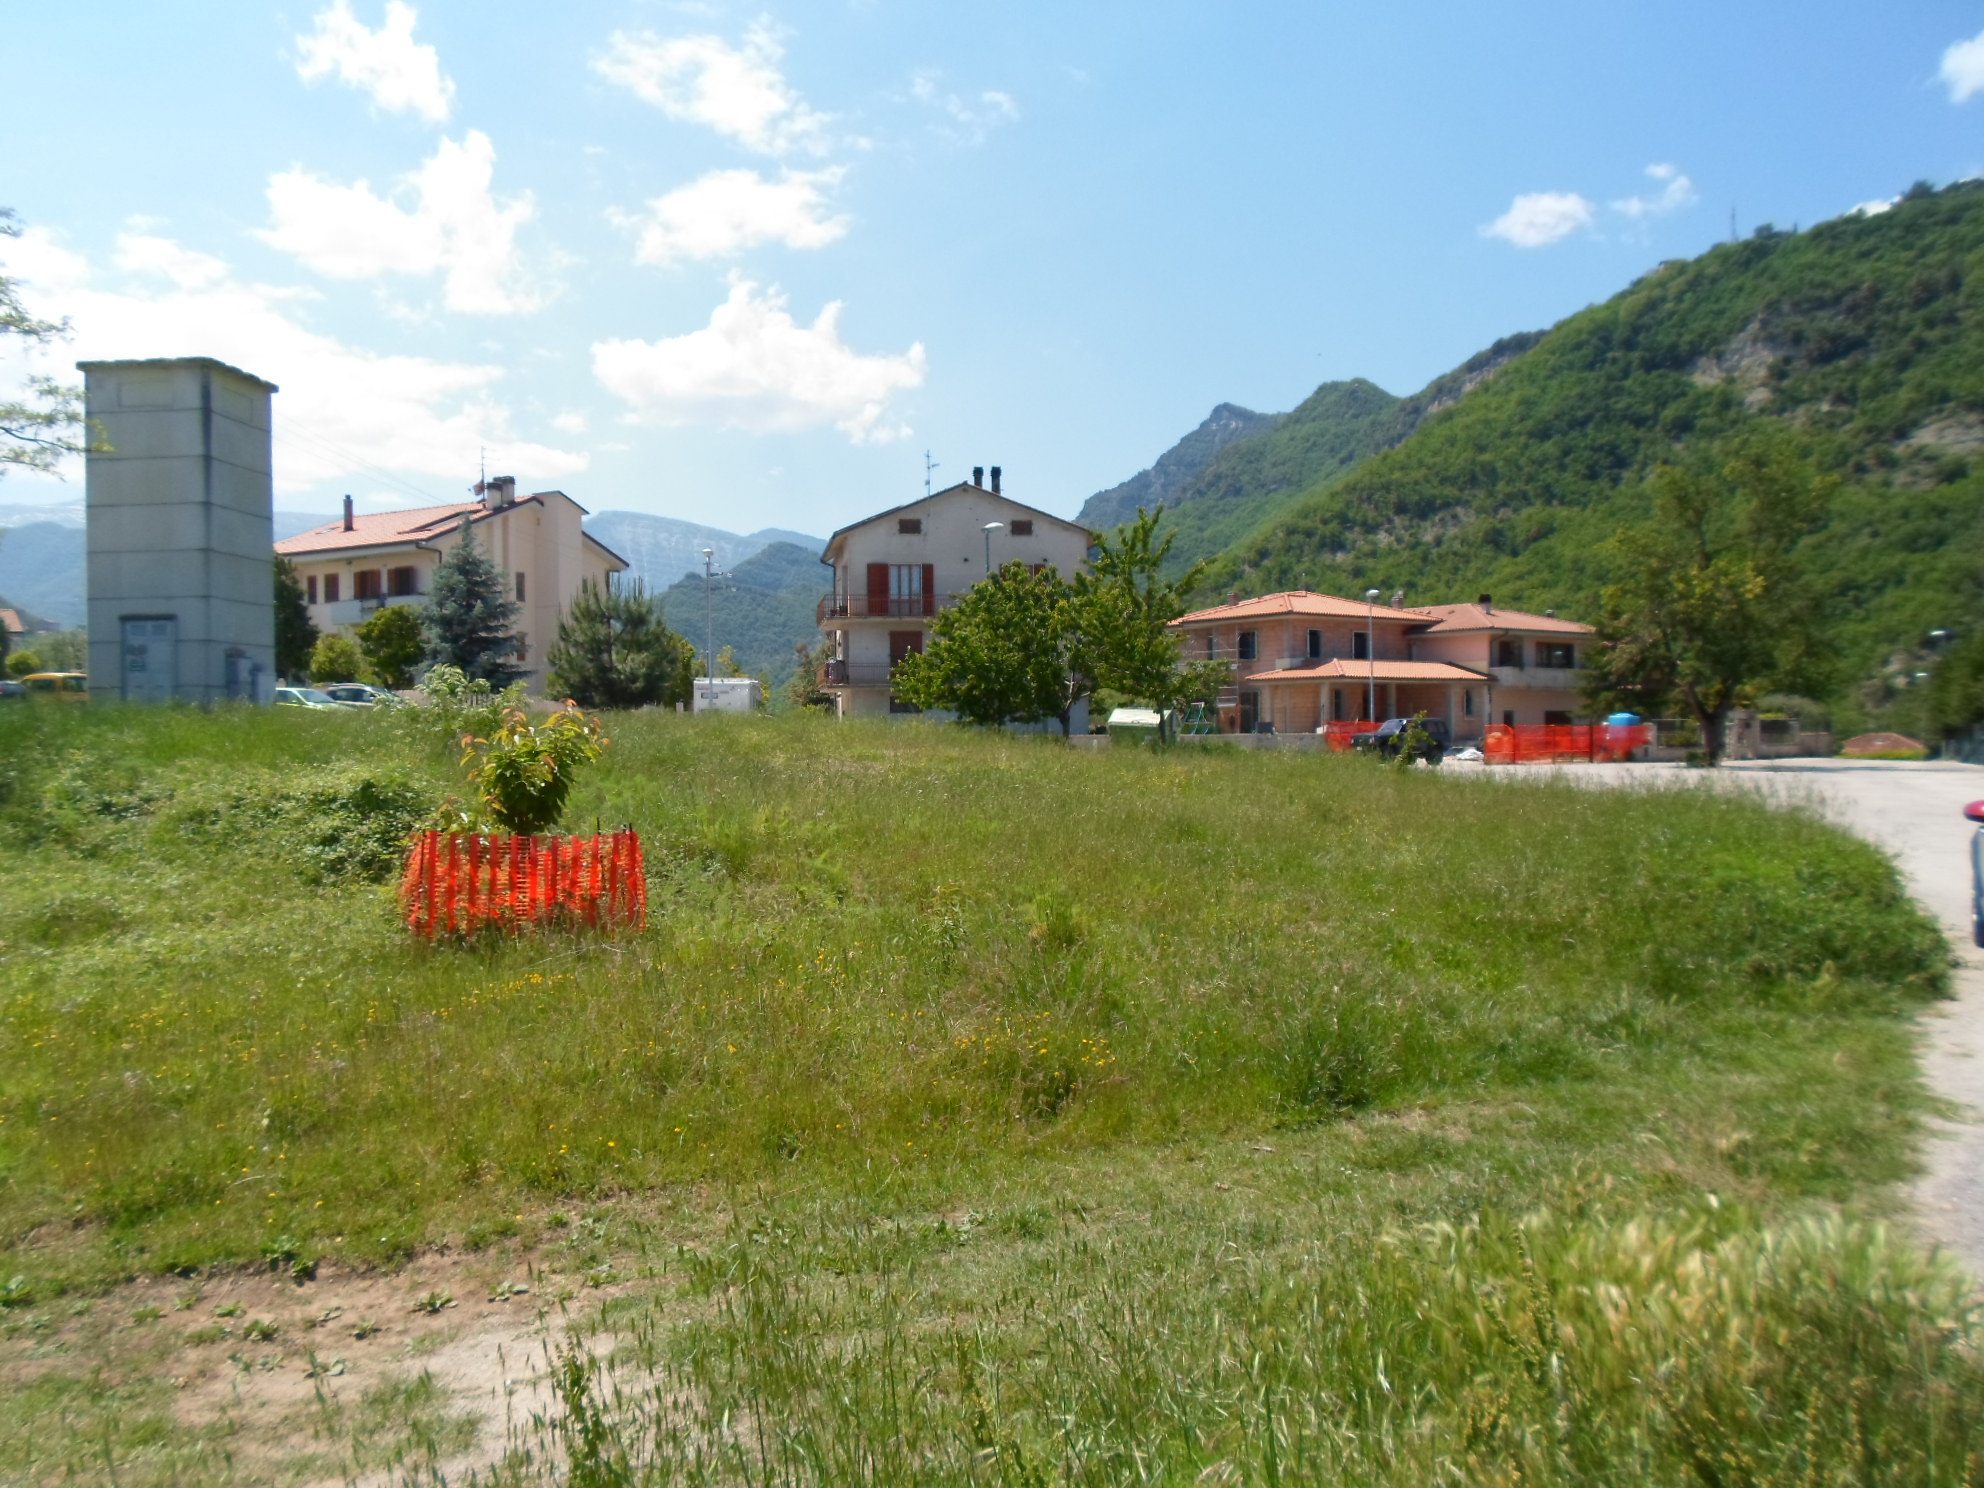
pixel 660 550
pixel 1860 341
pixel 762 608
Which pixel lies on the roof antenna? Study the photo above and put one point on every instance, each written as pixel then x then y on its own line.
pixel 482 470
pixel 928 466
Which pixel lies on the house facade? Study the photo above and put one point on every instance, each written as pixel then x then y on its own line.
pixel 357 566
pixel 1302 660
pixel 892 573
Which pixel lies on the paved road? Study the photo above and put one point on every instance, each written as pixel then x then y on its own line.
pixel 1915 812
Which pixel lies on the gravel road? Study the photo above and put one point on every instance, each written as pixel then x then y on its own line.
pixel 1915 812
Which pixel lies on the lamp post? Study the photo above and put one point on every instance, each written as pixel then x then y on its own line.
pixel 990 528
pixel 709 627
pixel 1371 653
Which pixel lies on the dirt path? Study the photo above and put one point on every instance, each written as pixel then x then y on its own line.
pixel 1914 812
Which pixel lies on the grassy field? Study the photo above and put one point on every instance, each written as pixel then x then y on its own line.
pixel 974 1110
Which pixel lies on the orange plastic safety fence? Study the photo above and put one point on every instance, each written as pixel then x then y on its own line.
pixel 1556 743
pixel 1338 736
pixel 461 882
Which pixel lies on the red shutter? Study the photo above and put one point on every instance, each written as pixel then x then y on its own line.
pixel 929 588
pixel 878 589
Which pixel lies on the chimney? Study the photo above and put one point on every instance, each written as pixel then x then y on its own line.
pixel 1398 599
pixel 1487 602
pixel 978 475
pixel 502 491
pixel 349 524
pixel 995 480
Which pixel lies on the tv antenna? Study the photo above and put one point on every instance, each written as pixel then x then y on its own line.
pixel 928 466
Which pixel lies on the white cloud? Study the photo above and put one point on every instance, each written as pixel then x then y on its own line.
pixel 342 410
pixel 1540 218
pixel 966 121
pixel 1963 68
pixel 736 90
pixel 1676 192
pixel 454 227
pixel 754 367
pixel 727 211
pixel 569 423
pixel 401 75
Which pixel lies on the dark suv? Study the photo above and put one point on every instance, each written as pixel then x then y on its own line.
pixel 1388 739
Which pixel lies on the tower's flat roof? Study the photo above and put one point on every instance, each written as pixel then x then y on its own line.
pixel 192 361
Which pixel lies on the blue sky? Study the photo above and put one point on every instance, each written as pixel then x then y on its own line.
pixel 744 265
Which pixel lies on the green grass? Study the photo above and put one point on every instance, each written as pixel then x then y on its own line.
pixel 980 1110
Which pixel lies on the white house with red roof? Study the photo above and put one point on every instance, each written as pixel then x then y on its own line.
pixel 1302 659
pixel 354 567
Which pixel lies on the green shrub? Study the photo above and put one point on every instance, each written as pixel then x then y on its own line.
pixel 525 771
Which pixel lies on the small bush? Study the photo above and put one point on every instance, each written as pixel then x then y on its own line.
pixel 525 771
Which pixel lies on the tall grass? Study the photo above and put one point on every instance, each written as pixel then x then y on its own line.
pixel 1027 1114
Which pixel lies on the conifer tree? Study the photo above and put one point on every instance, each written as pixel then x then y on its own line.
pixel 469 622
pixel 614 650
pixel 296 636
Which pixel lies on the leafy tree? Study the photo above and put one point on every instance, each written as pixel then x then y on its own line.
pixel 1713 603
pixel 37 433
pixel 1004 653
pixel 393 643
pixel 802 688
pixel 336 658
pixel 1121 610
pixel 615 650
pixel 468 619
pixel 1955 694
pixel 66 651
pixel 296 635
pixel 525 770
pixel 21 663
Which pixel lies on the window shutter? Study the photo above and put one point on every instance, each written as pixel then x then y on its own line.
pixel 929 588
pixel 878 588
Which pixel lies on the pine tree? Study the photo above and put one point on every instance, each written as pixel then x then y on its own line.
pixel 614 650
pixel 296 637
pixel 469 622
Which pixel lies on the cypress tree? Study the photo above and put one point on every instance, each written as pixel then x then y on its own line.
pixel 469 622
pixel 614 650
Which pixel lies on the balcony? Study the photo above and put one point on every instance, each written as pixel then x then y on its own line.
pixel 855 674
pixel 1541 679
pixel 344 612
pixel 870 607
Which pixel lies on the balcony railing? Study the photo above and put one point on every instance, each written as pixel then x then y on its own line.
pixel 875 607
pixel 855 674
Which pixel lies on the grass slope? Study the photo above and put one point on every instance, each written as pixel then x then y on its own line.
pixel 1862 336
pixel 975 1109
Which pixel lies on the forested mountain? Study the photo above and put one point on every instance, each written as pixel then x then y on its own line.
pixel 662 549
pixel 1860 341
pixel 1170 478
pixel 762 608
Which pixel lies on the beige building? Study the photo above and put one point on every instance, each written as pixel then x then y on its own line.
pixel 894 571
pixel 1302 659
pixel 355 567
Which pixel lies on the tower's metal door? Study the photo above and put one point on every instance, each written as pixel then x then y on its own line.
pixel 151 660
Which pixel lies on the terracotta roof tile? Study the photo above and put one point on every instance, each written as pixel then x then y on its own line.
pixel 382 529
pixel 1453 618
pixel 1298 602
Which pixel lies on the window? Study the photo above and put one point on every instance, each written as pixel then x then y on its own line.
pixel 905 589
pixel 365 584
pixel 1556 654
pixel 1467 703
pixel 1250 711
pixel 1248 650
pixel 1508 653
pixel 523 647
pixel 1556 719
pixel 520 588
pixel 1360 645
pixel 1021 527
pixel 401 582
pixel 903 643
pixel 1212 645
pixel 909 525
pixel 1315 645
pixel 330 588
pixel 1336 704
pixel 1509 717
pixel 310 589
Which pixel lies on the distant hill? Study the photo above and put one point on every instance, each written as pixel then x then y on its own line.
pixel 1238 470
pixel 762 607
pixel 1860 339
pixel 662 549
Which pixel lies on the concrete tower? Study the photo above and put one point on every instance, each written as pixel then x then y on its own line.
pixel 180 506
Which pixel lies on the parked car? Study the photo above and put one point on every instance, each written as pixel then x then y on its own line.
pixel 305 697
pixel 62 687
pixel 359 694
pixel 1386 741
pixel 11 690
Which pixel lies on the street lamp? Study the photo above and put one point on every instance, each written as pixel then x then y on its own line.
pixel 709 626
pixel 1371 653
pixel 990 528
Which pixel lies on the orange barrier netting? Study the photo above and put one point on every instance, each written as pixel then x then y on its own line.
pixel 1338 736
pixel 1537 743
pixel 467 881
